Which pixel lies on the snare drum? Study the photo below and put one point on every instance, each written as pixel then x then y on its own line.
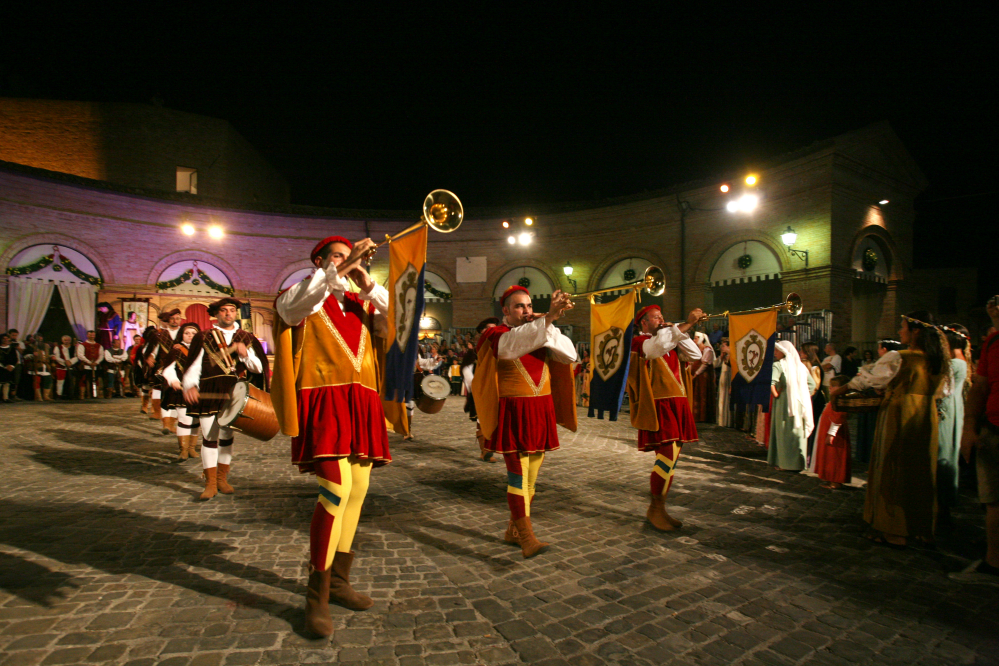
pixel 250 412
pixel 434 391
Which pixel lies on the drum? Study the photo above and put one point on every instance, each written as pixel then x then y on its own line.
pixel 250 412
pixel 434 391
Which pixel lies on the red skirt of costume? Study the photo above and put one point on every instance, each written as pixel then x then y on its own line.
pixel 340 421
pixel 832 459
pixel 676 424
pixel 525 425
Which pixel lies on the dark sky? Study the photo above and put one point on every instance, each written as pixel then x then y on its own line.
pixel 512 108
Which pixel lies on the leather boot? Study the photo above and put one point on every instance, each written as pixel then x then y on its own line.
pixel 155 413
pixel 317 603
pixel 38 395
pixel 658 517
pixel 211 483
pixel 223 484
pixel 511 534
pixel 529 544
pixel 340 590
pixel 192 445
pixel 145 403
pixel 171 424
pixel 181 447
pixel 48 396
pixel 83 393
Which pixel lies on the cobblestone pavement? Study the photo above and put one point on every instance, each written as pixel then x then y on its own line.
pixel 105 557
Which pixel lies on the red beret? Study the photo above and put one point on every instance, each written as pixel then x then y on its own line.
pixel 512 290
pixel 326 241
pixel 644 311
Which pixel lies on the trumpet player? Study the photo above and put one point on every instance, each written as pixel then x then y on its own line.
pixel 660 406
pixel 522 388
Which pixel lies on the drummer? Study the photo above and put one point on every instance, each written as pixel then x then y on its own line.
pixel 325 395
pixel 221 355
pixel 424 367
pixel 522 387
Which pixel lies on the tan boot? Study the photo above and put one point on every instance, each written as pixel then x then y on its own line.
pixel 317 603
pixel 511 534
pixel 223 484
pixel 340 590
pixel 145 403
pixel 181 447
pixel 529 544
pixel 171 424
pixel 658 517
pixel 192 445
pixel 38 395
pixel 155 413
pixel 211 483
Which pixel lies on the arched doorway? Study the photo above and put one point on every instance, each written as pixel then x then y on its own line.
pixel 437 299
pixel 52 290
pixel 745 276
pixel 534 280
pixel 626 271
pixel 871 264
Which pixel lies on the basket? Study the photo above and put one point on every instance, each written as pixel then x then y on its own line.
pixel 857 402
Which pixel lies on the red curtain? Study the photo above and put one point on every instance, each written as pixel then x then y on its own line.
pixel 198 313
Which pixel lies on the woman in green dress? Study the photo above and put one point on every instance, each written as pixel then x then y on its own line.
pixel 901 501
pixel 791 413
pixel 951 411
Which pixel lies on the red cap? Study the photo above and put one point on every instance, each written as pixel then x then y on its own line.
pixel 644 311
pixel 326 241
pixel 512 290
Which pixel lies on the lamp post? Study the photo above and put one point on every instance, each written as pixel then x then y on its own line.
pixel 788 238
pixel 567 269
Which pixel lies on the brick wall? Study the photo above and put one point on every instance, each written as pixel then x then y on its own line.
pixel 137 145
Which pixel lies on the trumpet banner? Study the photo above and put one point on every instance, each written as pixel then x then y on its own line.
pixel 612 327
pixel 407 263
pixel 752 337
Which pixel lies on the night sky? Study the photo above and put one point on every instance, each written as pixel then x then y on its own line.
pixel 519 108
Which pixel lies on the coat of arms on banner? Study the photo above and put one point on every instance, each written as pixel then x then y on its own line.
pixel 608 354
pixel 750 352
pixel 405 305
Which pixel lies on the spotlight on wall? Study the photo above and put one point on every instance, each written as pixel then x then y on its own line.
pixel 747 203
pixel 567 269
pixel 883 202
pixel 524 238
pixel 724 188
pixel 215 231
pixel 187 228
pixel 528 221
pixel 506 224
pixel 751 180
pixel 511 239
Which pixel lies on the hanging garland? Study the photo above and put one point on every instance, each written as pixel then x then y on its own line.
pixel 202 277
pixel 436 292
pixel 33 267
pixel 48 259
pixel 71 267
pixel 745 261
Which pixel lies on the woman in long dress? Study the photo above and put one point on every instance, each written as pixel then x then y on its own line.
pixel 791 421
pixel 724 418
pixel 901 501
pixel 703 381
pixel 951 411
pixel 810 357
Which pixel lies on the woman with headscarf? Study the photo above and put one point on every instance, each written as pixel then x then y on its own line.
pixel 951 411
pixel 722 413
pixel 792 420
pixel 901 499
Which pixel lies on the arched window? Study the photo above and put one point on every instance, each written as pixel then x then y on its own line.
pixel 435 288
pixel 37 307
pixel 535 281
pixel 746 276
pixel 296 277
pixel 194 278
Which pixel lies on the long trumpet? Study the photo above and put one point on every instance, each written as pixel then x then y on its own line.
pixel 442 211
pixel 653 283
pixel 791 305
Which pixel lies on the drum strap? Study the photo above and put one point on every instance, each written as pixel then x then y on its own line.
pixel 224 363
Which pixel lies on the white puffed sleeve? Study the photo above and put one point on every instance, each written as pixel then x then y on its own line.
pixel 880 374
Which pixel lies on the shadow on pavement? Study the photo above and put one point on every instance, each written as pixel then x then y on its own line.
pixel 32 581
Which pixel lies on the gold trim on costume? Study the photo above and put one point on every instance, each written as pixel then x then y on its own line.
pixel 354 360
pixel 536 388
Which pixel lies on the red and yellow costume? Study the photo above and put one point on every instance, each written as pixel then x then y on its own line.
pixel 325 392
pixel 522 388
pixel 658 390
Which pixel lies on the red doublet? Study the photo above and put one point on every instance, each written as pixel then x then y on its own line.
pixel 676 421
pixel 526 421
pixel 338 406
pixel 92 350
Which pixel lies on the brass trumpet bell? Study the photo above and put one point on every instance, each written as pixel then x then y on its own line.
pixel 791 305
pixel 443 211
pixel 653 283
